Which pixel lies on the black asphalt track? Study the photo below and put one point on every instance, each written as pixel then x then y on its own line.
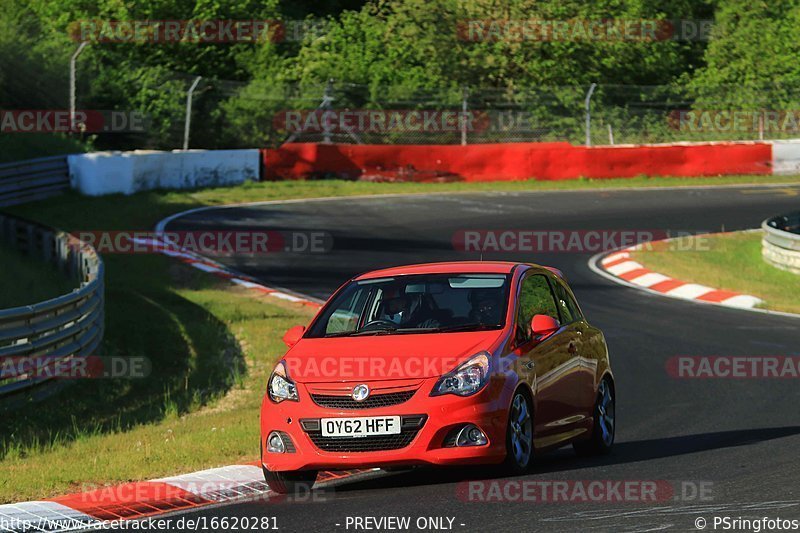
pixel 738 440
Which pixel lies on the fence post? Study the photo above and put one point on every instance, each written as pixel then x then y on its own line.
pixel 589 114
pixel 464 104
pixel 188 121
pixel 327 100
pixel 72 98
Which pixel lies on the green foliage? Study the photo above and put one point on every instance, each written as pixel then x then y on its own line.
pixel 417 42
pixel 751 60
pixel 33 145
pixel 401 54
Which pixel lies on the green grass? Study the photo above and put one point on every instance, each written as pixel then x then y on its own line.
pixel 211 347
pixel 27 280
pixel 729 262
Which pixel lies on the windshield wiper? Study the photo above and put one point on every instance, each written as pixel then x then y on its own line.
pixel 382 331
pixel 463 327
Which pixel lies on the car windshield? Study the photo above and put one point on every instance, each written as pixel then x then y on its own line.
pixel 433 303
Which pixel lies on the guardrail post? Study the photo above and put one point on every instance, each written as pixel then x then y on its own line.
pixel 61 253
pixel 47 246
pixel 74 260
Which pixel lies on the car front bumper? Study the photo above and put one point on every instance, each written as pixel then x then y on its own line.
pixel 427 422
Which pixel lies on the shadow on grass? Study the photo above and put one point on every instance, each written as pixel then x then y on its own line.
pixel 193 359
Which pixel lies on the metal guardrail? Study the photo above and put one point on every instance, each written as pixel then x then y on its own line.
pixel 25 181
pixel 61 328
pixel 781 242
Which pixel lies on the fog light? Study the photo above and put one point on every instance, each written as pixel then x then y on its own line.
pixel 471 435
pixel 275 443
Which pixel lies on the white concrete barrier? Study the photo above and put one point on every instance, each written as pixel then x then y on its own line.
pixel 101 173
pixel 786 157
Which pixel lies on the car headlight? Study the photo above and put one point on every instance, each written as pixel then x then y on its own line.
pixel 280 387
pixel 465 380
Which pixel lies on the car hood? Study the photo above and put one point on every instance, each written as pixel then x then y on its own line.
pixel 384 357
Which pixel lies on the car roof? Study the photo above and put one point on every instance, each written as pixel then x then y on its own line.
pixel 452 267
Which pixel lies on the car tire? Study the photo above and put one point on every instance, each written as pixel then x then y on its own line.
pixel 298 482
pixel 519 434
pixel 605 422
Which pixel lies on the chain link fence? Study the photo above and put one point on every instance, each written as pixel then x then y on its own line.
pixel 226 114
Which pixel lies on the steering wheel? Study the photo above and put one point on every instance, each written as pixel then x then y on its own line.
pixel 378 324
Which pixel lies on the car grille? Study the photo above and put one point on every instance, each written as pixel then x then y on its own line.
pixel 377 400
pixel 364 444
pixel 287 441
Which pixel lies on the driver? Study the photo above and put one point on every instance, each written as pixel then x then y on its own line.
pixel 486 306
pixel 396 307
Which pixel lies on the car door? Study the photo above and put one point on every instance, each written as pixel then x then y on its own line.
pixel 547 363
pixel 584 345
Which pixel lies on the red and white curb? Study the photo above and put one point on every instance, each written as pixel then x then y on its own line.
pixel 221 271
pixel 619 267
pixel 102 507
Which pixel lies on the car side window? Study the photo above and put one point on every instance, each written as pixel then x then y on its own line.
pixel 567 305
pixel 535 298
pixel 345 318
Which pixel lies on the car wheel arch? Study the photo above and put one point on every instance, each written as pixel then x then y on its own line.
pixel 525 388
pixel 608 376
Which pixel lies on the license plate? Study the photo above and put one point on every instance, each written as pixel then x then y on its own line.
pixel 365 426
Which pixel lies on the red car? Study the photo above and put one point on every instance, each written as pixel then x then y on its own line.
pixel 438 364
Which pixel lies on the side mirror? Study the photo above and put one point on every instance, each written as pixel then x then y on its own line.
pixel 293 335
pixel 543 325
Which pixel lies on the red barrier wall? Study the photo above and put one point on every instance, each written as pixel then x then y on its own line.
pixel 516 161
